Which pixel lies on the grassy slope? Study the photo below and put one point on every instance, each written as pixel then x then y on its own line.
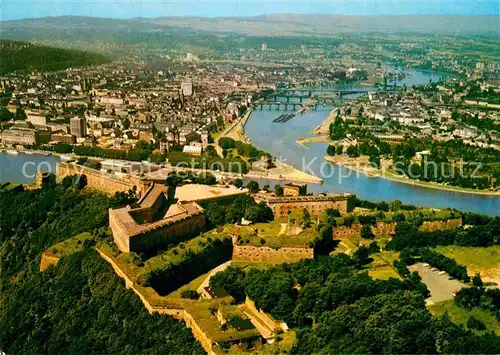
pixel 461 316
pixel 484 261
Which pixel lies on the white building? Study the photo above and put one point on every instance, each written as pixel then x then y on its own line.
pixel 191 149
pixel 187 88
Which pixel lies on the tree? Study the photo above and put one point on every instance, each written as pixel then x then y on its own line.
pixel 278 190
pixel 172 181
pixel 332 213
pixel 361 257
pixel 20 114
pixel 253 186
pixel 143 145
pixel 373 248
pixel 216 214
pixel 366 232
pixel 474 323
pixel 305 221
pixel 395 205
pixel 238 183
pixel 375 160
pixel 190 294
pixel 331 151
pixel 476 281
pixel 5 115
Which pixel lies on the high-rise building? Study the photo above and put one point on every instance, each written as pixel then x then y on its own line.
pixel 78 126
pixel 480 65
pixel 264 46
pixel 187 88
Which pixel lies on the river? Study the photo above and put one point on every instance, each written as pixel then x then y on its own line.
pixel 279 139
pixel 22 168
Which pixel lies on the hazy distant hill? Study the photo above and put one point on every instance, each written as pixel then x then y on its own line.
pixel 16 56
pixel 197 34
pixel 108 36
pixel 325 25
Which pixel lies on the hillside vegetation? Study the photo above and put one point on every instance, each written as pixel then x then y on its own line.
pixel 80 306
pixel 18 56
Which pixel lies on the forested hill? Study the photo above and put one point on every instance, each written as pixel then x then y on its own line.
pixel 18 56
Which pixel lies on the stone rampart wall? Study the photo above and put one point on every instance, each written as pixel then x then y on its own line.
pixel 102 181
pixel 270 255
pixel 379 229
pixel 432 226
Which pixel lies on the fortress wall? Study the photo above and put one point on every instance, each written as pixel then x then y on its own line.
pixel 263 317
pixel 48 260
pixel 180 314
pixel 432 226
pixel 270 255
pixel 178 231
pixel 119 233
pixel 315 208
pixel 101 181
pixel 390 228
pixel 380 228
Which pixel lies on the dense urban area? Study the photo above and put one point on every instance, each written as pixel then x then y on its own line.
pixel 164 229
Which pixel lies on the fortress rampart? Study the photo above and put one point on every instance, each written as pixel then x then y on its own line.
pixel 432 226
pixel 96 179
pixel 380 228
pixel 177 313
pixel 270 255
pixel 316 205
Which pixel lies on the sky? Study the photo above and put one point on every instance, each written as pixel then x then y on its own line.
pixel 19 9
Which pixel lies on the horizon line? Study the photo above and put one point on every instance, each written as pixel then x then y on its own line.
pixel 247 17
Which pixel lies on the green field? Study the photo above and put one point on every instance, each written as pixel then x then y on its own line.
pixel 461 315
pixel 484 261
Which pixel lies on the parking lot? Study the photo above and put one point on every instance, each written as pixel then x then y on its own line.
pixel 440 287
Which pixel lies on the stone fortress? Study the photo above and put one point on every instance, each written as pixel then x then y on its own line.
pixel 158 219
pixel 295 199
pixel 165 216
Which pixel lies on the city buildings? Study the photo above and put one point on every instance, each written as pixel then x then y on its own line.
pixel 78 126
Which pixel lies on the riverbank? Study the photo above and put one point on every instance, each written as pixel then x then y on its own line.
pixel 361 165
pixel 324 126
pixel 318 139
pixel 237 130
pixel 282 171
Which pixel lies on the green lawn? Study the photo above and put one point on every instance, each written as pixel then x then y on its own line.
pixel 484 261
pixel 383 273
pixel 381 266
pixel 247 265
pixel 461 315
pixel 268 234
